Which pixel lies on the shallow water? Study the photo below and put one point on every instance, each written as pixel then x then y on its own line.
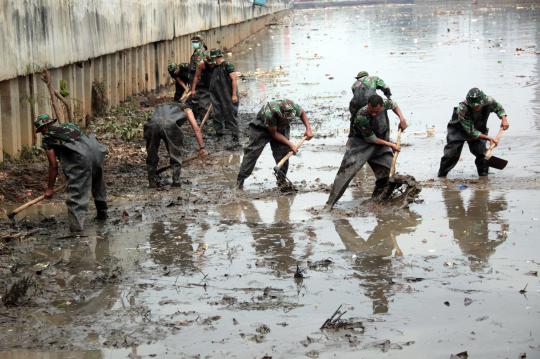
pixel 442 277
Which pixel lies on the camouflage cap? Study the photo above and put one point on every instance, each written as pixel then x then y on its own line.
pixel 208 58
pixel 362 74
pixel 216 53
pixel 43 120
pixel 286 109
pixel 172 68
pixel 475 97
pixel 197 38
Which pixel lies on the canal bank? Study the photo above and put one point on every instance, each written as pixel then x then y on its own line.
pixel 119 48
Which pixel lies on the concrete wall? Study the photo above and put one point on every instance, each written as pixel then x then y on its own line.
pixel 124 44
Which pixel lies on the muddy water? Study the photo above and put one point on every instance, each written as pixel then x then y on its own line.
pixel 210 271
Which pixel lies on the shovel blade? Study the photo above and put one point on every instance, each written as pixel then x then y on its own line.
pixel 497 162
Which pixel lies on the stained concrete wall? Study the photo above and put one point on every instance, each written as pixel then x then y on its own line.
pixel 124 44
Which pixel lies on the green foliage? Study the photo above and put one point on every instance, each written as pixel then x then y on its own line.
pixel 124 122
pixel 63 88
pixel 30 153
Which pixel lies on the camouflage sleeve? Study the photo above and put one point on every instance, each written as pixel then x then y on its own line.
pixel 363 124
pixel 496 107
pixel 229 67
pixel 379 83
pixel 297 109
pixel 466 122
pixel 268 117
pixel 390 104
pixel 45 143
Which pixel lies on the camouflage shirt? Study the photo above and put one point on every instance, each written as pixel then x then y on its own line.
pixel 271 115
pixel 366 126
pixel 468 118
pixel 372 82
pixel 56 136
pixel 197 56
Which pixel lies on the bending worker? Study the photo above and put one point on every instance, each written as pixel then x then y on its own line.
pixel 164 124
pixel 272 124
pixel 368 142
pixel 469 124
pixel 82 163
pixel 364 87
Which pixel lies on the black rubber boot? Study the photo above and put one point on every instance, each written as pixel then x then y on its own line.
pixel 380 185
pixel 176 176
pixel 240 183
pixel 152 178
pixel 101 209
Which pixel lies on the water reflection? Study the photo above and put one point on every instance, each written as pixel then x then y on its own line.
pixel 470 224
pixel 373 264
pixel 275 242
pixel 172 244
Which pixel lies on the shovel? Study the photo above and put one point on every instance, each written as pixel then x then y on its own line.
pixel 280 176
pixel 493 161
pixel 402 187
pixel 13 213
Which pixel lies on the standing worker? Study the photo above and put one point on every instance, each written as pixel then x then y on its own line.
pixel 469 124
pixel 82 158
pixel 200 100
pixel 368 142
pixel 364 87
pixel 224 96
pixel 272 124
pixel 165 125
pixel 180 75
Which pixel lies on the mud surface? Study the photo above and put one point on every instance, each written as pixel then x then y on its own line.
pixel 208 271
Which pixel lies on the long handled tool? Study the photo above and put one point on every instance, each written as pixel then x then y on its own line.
pixel 184 161
pixel 281 177
pixel 12 214
pixel 206 116
pixel 401 188
pixel 396 154
pixel 493 161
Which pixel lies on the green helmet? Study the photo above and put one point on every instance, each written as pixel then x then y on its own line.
pixel 197 38
pixel 216 53
pixel 43 120
pixel 475 97
pixel 172 68
pixel 362 74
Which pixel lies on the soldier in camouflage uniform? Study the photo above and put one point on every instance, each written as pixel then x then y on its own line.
pixel 82 163
pixel 199 77
pixel 180 75
pixel 364 87
pixel 224 96
pixel 469 124
pixel 165 125
pixel 272 124
pixel 368 142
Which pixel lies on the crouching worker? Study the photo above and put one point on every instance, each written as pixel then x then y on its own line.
pixel 368 142
pixel 272 124
pixel 165 125
pixel 82 158
pixel 180 75
pixel 469 124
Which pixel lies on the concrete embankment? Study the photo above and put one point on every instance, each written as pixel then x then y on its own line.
pixel 124 46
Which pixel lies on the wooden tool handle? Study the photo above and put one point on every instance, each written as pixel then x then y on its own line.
pixel 185 96
pixel 492 145
pixel 288 155
pixel 32 202
pixel 394 159
pixel 186 89
pixel 205 118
